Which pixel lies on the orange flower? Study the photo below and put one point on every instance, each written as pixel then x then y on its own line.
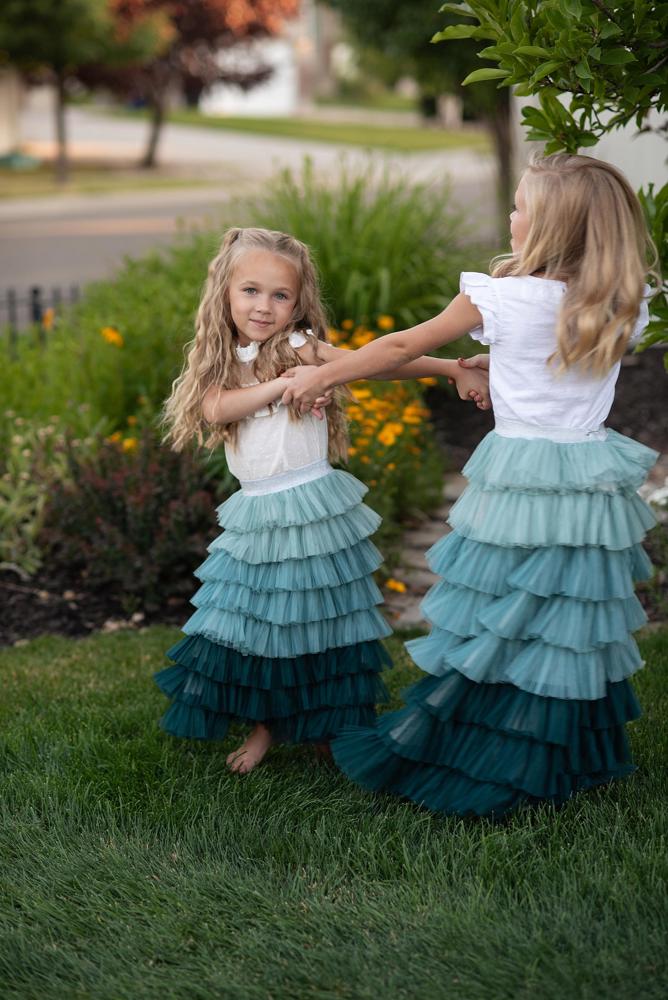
pixel 112 336
pixel 385 323
pixel 130 444
pixel 48 318
pixel 115 437
pixel 428 380
pixel 347 324
pixel 396 585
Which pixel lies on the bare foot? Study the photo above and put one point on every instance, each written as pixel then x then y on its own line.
pixel 252 750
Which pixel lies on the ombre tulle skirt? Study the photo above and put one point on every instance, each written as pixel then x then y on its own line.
pixel 528 660
pixel 286 629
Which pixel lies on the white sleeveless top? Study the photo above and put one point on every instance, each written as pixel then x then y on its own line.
pixel 519 323
pixel 271 443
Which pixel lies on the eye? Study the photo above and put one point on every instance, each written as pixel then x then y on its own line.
pixel 281 295
pixel 250 290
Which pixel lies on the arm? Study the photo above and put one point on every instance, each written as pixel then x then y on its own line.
pixel 387 354
pixel 224 406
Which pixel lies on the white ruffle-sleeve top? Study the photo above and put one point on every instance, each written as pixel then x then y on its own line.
pixel 519 321
pixel 271 443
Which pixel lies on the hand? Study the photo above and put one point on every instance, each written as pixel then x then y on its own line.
pixel 306 387
pixel 473 384
pixel 477 361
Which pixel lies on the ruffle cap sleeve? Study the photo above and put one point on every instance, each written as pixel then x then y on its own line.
pixel 480 289
pixel 298 338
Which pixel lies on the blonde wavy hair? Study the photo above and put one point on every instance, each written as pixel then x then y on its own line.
pixel 586 228
pixel 211 358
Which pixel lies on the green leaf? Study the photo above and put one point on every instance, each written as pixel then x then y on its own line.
pixel 532 50
pixel 545 69
pixel 582 70
pixel 574 8
pixel 478 75
pixel 588 139
pixel 462 9
pixel 617 57
pixel 609 30
pixel 455 31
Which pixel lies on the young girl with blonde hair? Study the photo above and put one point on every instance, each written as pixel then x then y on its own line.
pixel 286 635
pixel 530 651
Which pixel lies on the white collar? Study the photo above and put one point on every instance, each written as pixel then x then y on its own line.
pixel 248 353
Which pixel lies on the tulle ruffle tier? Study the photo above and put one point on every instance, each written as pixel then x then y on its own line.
pixel 286 629
pixel 530 650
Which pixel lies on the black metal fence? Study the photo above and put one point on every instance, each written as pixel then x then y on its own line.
pixel 33 309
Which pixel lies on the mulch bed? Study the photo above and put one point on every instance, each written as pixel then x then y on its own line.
pixel 59 604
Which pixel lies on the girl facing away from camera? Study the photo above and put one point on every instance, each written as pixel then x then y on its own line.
pixel 286 635
pixel 530 651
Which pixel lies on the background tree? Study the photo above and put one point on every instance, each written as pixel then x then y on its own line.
pixel 595 66
pixel 199 32
pixel 56 39
pixel 402 32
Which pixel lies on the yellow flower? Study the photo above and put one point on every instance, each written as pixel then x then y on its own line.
pixel 391 466
pixel 386 436
pixel 48 318
pixel 130 444
pixel 361 393
pixel 347 324
pixel 334 336
pixel 361 337
pixel 362 442
pixel 385 322
pixel 428 380
pixel 352 451
pixel 115 437
pixel 365 459
pixel 355 412
pixel 132 421
pixel 112 336
pixel 397 585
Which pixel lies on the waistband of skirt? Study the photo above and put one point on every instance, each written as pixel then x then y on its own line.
pixel 562 435
pixel 286 480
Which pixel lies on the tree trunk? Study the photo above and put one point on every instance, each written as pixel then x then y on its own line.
pixel 157 108
pixel 62 166
pixel 501 128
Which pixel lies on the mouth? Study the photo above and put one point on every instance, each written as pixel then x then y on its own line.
pixel 262 323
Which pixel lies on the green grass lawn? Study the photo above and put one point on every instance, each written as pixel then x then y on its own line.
pixel 134 865
pixel 399 138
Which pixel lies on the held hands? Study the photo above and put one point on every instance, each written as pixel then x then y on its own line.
pixel 306 389
pixel 473 383
pixel 291 396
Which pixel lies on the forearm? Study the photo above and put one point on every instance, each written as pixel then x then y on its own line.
pixel 423 367
pixel 378 360
pixel 225 406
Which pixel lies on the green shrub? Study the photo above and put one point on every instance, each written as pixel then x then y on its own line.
pixel 133 521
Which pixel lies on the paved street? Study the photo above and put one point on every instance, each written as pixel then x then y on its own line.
pixel 70 239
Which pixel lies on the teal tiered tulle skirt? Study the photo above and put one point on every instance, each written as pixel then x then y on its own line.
pixel 530 652
pixel 286 630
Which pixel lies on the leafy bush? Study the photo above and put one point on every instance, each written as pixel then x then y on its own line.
pixel 134 520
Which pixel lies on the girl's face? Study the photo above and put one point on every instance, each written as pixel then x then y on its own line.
pixel 519 219
pixel 264 288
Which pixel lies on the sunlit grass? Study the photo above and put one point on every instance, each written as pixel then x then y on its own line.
pixel 133 865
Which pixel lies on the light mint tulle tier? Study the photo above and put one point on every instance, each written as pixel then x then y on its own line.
pixel 286 629
pixel 280 607
pixel 301 699
pixel 261 638
pixel 293 575
pixel 530 649
pixel 514 517
pixel 319 500
pixel 588 573
pixel 617 464
pixel 581 625
pixel 299 541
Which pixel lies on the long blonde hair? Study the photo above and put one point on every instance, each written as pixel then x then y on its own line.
pixel 211 357
pixel 586 227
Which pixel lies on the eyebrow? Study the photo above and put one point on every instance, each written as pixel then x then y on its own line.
pixel 281 288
